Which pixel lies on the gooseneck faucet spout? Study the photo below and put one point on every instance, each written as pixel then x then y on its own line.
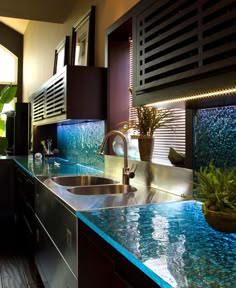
pixel 127 172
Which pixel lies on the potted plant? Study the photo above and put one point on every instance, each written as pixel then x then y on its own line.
pixel 216 188
pixel 148 120
pixel 6 96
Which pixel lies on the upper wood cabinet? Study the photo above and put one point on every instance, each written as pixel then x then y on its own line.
pixel 77 92
pixel 177 44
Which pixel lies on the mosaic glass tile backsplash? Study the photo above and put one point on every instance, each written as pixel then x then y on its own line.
pixel 80 143
pixel 215 136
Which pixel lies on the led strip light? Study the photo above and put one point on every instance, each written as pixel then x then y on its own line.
pixel 197 96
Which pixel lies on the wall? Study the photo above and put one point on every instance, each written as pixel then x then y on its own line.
pixel 41 39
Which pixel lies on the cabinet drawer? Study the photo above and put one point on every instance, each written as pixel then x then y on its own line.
pixel 53 270
pixel 59 222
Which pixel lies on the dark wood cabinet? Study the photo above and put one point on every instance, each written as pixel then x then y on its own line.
pixel 55 240
pixel 76 92
pixel 108 267
pixel 182 48
pixel 7 205
pixel 7 202
pixel 53 269
pixel 25 194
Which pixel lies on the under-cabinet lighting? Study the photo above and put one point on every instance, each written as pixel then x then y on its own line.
pixel 197 96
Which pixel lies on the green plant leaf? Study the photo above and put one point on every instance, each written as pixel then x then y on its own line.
pixel 3 145
pixel 2 124
pixel 8 93
pixel 217 186
pixel 148 120
pixel 1 106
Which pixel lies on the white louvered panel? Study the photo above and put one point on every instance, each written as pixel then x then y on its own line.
pixel 170 137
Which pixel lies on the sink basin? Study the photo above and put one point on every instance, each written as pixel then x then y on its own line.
pixel 102 189
pixel 82 180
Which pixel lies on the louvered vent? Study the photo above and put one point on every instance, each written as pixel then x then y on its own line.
pixel 55 98
pixel 180 39
pixel 50 101
pixel 38 106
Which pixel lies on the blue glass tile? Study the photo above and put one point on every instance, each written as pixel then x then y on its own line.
pixel 215 136
pixel 170 242
pixel 80 142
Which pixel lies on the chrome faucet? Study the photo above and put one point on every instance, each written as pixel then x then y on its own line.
pixel 127 172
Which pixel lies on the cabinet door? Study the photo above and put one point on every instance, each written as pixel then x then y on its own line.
pixel 180 41
pixel 25 209
pixel 93 258
pixel 59 222
pixel 7 203
pixel 109 267
pixel 53 270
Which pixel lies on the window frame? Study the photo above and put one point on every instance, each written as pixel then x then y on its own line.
pixel 15 72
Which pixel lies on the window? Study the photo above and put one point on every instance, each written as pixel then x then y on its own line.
pixel 165 137
pixel 9 66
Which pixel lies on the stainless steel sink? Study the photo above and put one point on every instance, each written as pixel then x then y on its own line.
pixel 82 180
pixel 102 189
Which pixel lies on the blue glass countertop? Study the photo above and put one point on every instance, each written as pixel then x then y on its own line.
pixel 170 242
pixel 57 166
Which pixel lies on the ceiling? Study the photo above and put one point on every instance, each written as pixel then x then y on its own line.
pixel 16 14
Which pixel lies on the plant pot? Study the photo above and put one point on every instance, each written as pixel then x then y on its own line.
pixel 220 221
pixel 145 144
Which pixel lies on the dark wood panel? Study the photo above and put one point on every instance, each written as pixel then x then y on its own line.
pixel 164 29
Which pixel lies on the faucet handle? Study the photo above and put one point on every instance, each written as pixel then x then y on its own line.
pixel 132 170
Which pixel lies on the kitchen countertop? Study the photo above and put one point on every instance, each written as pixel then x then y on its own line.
pixel 50 168
pixel 43 171
pixel 170 242
pixel 159 238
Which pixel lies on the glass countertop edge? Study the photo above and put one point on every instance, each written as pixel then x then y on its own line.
pixel 23 167
pixel 158 280
pixel 24 164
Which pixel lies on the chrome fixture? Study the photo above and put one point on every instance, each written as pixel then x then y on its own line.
pixel 127 172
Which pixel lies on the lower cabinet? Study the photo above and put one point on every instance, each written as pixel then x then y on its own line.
pixel 52 267
pixel 100 265
pixel 25 194
pixel 67 252
pixel 7 205
pixel 55 240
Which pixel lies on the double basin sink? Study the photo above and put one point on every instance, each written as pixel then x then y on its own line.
pixel 92 185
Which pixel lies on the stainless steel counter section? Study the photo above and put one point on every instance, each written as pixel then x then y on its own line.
pixel 172 179
pixel 154 183
pixel 143 195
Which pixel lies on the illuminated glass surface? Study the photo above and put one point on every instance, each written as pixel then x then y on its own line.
pixel 80 142
pixel 55 166
pixel 215 136
pixel 170 242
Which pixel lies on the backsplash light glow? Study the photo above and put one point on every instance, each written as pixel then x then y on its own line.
pixel 80 143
